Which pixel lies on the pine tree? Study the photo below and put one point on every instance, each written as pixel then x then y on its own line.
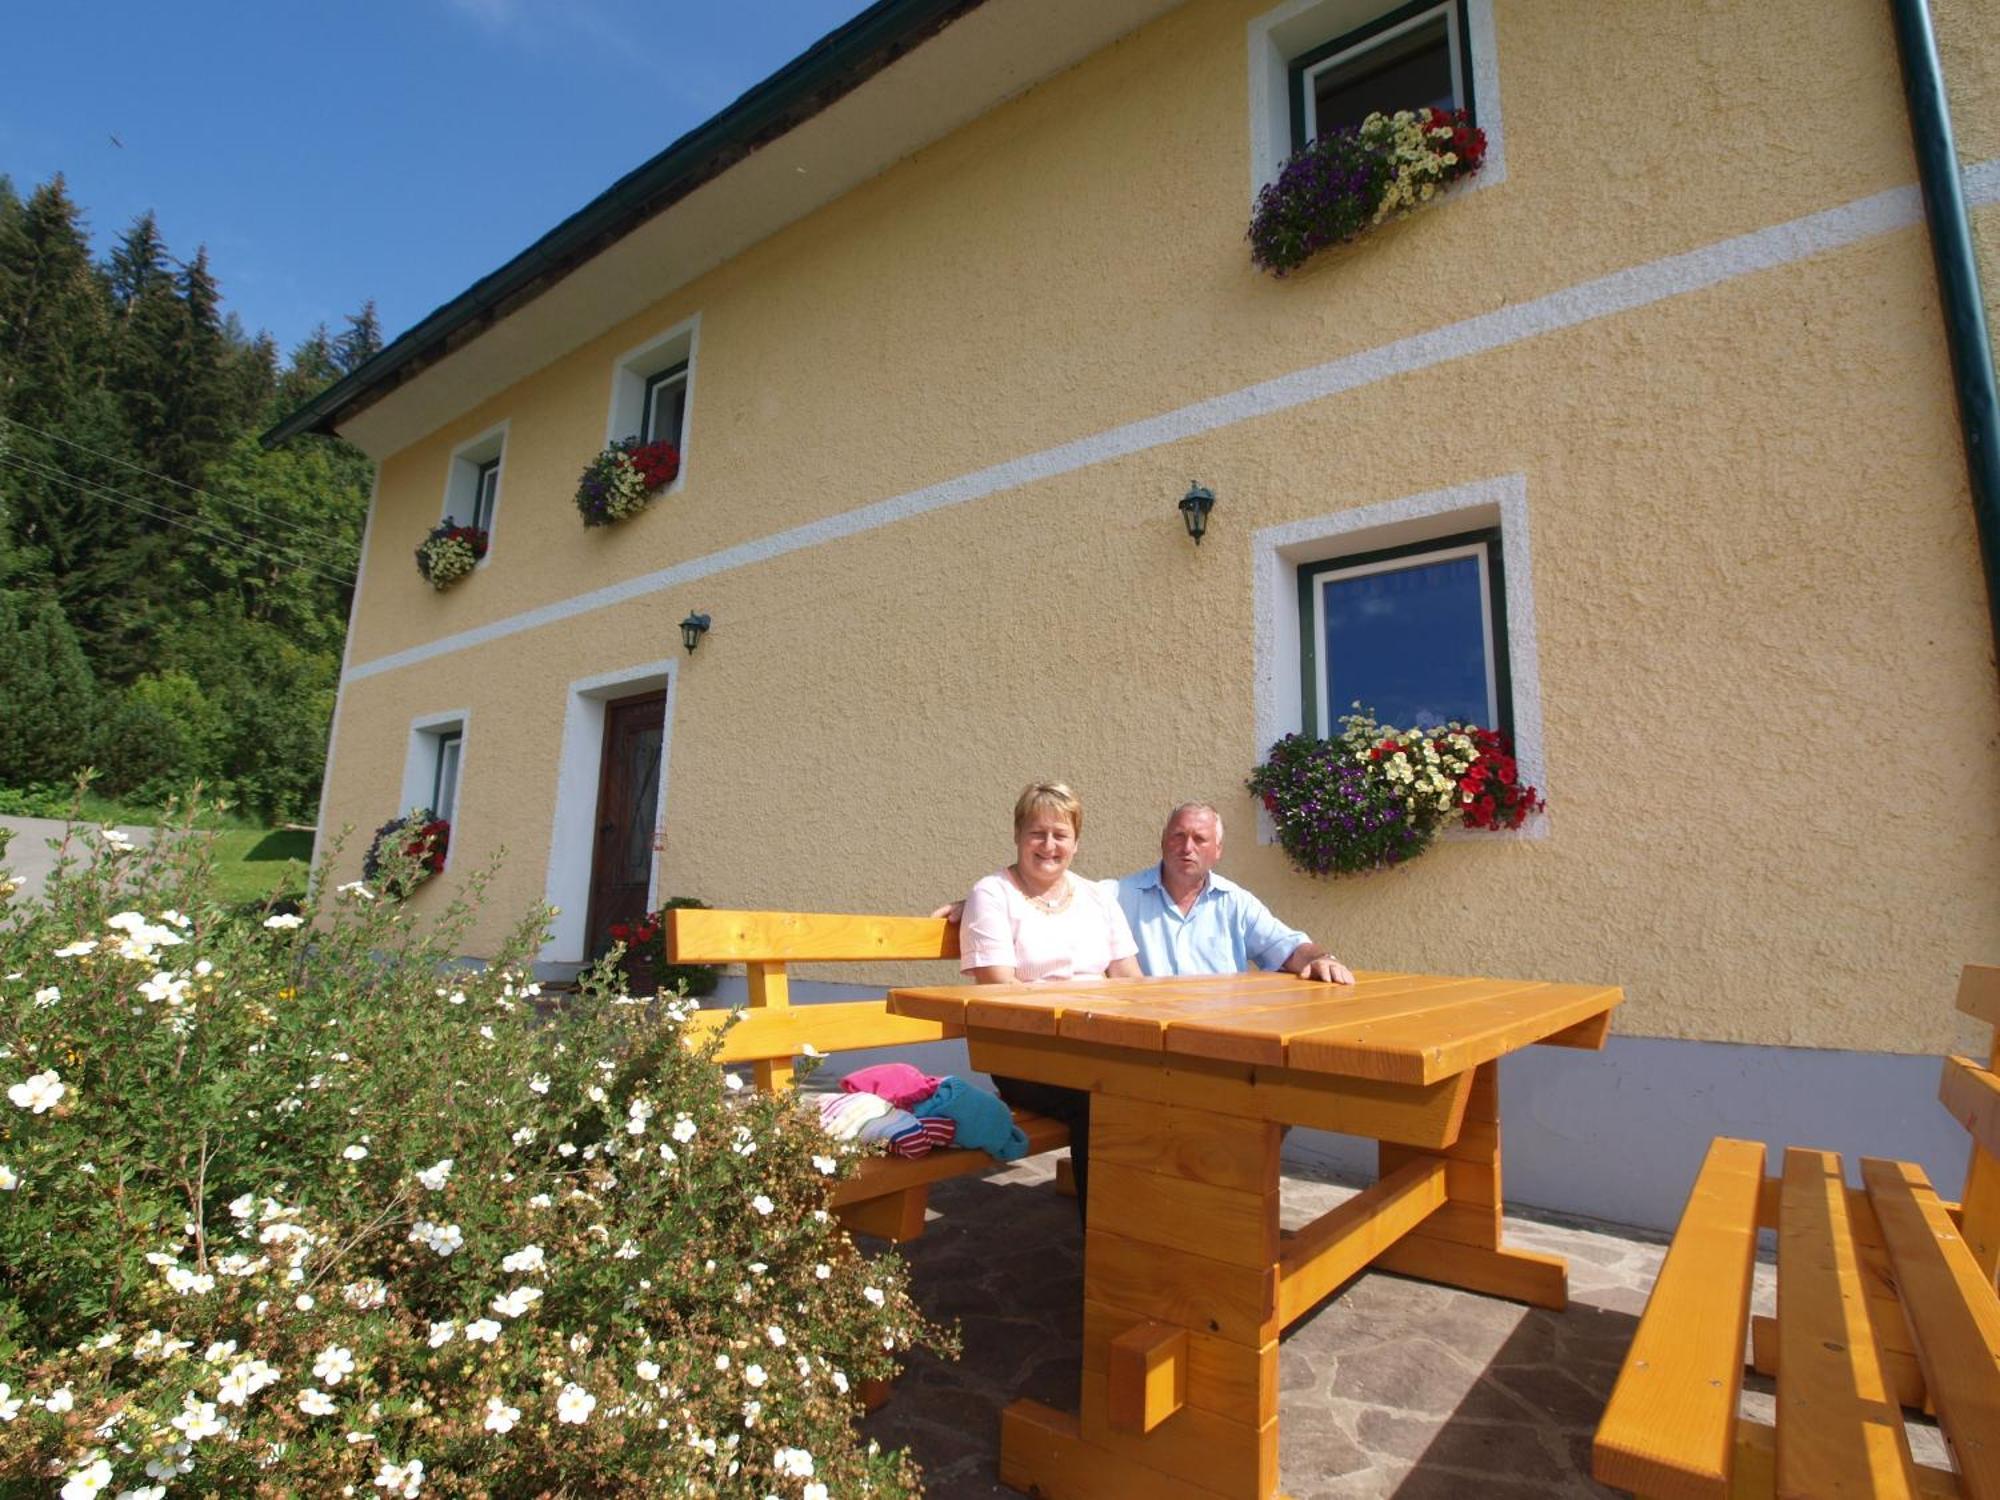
pixel 48 699
pixel 362 340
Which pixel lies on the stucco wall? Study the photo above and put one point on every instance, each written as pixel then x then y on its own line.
pixel 1765 671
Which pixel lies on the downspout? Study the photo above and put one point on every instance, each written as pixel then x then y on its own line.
pixel 1958 281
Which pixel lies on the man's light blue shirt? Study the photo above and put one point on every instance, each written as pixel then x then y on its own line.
pixel 1228 931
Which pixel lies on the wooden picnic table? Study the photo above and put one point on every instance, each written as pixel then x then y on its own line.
pixel 1188 1279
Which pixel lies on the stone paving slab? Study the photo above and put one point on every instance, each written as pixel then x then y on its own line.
pixel 1389 1388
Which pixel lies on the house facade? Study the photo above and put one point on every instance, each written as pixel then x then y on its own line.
pixel 948 317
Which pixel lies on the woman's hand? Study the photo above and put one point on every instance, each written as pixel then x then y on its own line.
pixel 992 974
pixel 1125 968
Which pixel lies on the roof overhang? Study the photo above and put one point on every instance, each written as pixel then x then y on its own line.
pixel 899 76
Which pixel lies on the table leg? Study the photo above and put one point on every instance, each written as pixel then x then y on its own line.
pixel 1179 1396
pixel 1459 1243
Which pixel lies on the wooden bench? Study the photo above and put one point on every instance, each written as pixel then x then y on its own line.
pixel 886 1195
pixel 1886 1300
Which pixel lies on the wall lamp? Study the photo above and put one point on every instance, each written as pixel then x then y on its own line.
pixel 1195 506
pixel 693 628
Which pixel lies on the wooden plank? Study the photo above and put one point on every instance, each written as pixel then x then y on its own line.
pixel 1669 1429
pixel 1899 1366
pixel 1424 1115
pixel 1586 1036
pixel 1422 1048
pixel 1972 1094
pixel 696 936
pixel 1265 1035
pixel 1223 1223
pixel 878 1176
pixel 770 990
pixel 1953 1316
pixel 1042 1452
pixel 1981 1222
pixel 1840 1431
pixel 1979 992
pixel 1219 1149
pixel 1238 1381
pixel 1210 1296
pixel 1147 1376
pixel 844 1026
pixel 1221 1456
pixel 1341 1242
pixel 1518 1275
pixel 1757 1463
pixel 897 1217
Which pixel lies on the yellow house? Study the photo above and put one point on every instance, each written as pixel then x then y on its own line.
pixel 947 316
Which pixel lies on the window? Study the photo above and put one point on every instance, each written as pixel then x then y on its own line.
pixel 666 405
pixel 652 390
pixel 1415 55
pixel 485 491
pixel 472 484
pixel 434 767
pixel 444 780
pixel 1416 633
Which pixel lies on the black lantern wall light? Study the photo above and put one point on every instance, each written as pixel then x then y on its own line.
pixel 1195 506
pixel 693 628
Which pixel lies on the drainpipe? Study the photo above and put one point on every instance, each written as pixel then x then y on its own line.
pixel 1958 281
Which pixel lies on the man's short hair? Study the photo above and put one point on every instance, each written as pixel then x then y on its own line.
pixel 1188 807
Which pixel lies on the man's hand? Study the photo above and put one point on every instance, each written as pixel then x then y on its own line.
pixel 1327 970
pixel 951 913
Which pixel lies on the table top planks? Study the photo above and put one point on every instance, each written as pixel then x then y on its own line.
pixel 1393 1027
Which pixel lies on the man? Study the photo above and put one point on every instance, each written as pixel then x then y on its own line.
pixel 1190 920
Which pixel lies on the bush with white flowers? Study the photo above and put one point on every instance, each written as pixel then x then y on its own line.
pixel 305 1208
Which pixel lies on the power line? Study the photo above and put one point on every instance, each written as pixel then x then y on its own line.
pixel 207 530
pixel 212 532
pixel 124 463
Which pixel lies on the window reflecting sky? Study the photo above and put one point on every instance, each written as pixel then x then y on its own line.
pixel 1409 643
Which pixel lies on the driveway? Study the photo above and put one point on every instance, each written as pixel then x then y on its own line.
pixel 29 856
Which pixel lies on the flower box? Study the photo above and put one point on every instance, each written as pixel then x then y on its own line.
pixel 622 480
pixel 1377 796
pixel 1352 179
pixel 407 851
pixel 449 553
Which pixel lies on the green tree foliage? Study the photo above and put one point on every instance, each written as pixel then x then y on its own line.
pixel 48 698
pixel 205 580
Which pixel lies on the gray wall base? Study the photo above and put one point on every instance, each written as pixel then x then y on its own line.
pixel 1618 1135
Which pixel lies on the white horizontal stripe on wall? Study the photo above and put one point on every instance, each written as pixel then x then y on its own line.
pixel 1606 296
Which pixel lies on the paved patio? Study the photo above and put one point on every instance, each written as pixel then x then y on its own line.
pixel 1391 1387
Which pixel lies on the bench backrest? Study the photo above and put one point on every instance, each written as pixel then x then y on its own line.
pixel 766 942
pixel 1972 1094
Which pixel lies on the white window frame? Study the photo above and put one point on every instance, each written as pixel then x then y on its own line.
pixel 1454 46
pixel 1325 713
pixel 1297 26
pixel 573 837
pixel 1278 551
pixel 428 734
pixel 461 486
pixel 629 374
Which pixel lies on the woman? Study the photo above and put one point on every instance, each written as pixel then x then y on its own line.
pixel 1035 920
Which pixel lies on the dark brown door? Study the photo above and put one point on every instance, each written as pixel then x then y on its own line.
pixel 628 805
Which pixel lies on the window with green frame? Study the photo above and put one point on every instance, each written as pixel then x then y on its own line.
pixel 444 775
pixel 1414 55
pixel 1416 634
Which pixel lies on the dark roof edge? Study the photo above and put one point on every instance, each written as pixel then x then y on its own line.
pixel 833 66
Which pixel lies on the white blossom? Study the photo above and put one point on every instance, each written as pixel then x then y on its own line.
pixel 284 921
pixel 87 1482
pixel 401 1479
pixel 316 1403
pixel 40 1093
pixel 527 1258
pixel 874 1295
pixel 9 1179
pixel 334 1364
pixel 435 1175
pixel 647 1370
pixel 517 1302
pixel 500 1417
pixel 575 1405
pixel 793 1461
pixel 48 994
pixel 355 1152
pixel 754 1376
pixel 482 1331
pixel 76 949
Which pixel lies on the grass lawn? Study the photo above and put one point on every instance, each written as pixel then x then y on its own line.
pixel 251 863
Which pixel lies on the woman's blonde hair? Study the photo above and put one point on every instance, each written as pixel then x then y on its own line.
pixel 1048 796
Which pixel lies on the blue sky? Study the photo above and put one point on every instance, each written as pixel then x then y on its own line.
pixel 328 151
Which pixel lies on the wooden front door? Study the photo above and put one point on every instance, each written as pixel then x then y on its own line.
pixel 628 805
